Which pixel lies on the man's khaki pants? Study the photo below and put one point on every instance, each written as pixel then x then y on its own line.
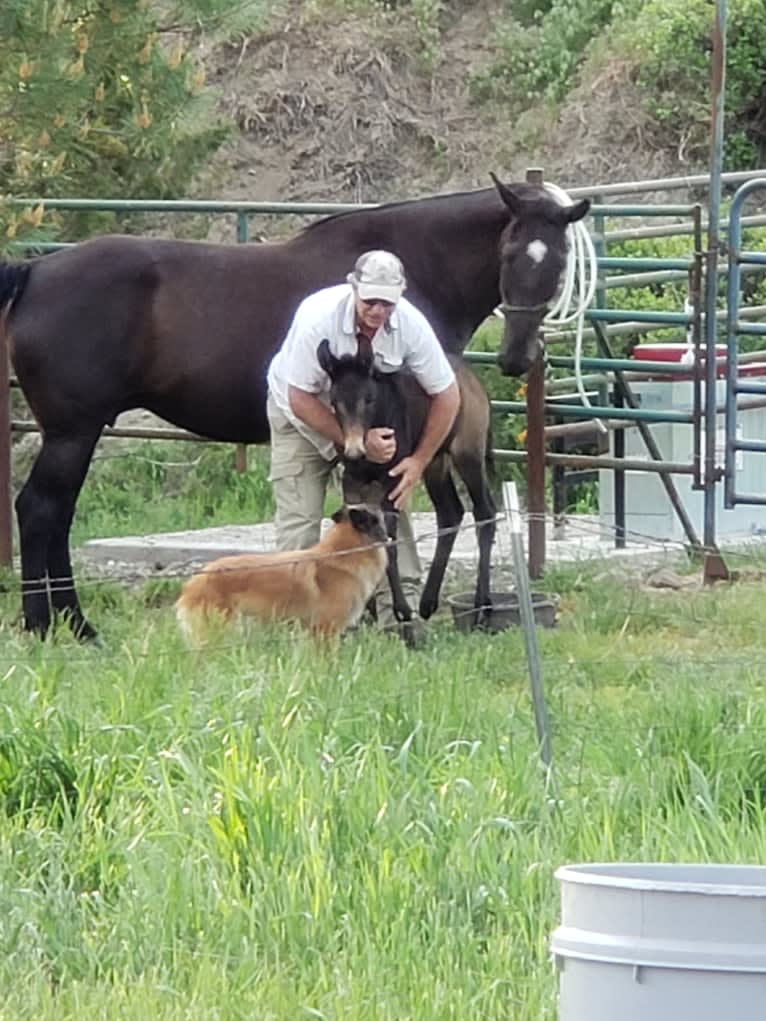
pixel 299 476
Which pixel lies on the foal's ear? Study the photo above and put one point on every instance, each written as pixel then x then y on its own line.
pixel 364 353
pixel 508 195
pixel 327 360
pixel 341 514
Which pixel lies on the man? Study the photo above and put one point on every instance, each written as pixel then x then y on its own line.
pixel 305 434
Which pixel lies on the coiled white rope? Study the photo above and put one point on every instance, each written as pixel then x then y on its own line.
pixel 577 289
pixel 580 276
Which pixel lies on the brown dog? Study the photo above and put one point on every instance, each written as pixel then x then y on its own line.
pixel 325 587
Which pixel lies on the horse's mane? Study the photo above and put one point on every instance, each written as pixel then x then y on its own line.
pixel 423 204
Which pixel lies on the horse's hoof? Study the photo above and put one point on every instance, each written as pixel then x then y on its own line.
pixel 86 633
pixel 481 618
pixel 39 629
pixel 412 632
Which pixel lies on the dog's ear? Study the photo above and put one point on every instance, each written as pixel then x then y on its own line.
pixel 327 360
pixel 341 514
pixel 363 520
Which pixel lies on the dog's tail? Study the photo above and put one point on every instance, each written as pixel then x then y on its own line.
pixel 191 611
pixel 188 622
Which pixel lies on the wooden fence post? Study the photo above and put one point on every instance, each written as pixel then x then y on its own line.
pixel 6 543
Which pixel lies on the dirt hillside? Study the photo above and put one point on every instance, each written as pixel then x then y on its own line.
pixel 351 110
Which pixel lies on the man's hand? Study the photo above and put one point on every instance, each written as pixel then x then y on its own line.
pixel 410 471
pixel 380 445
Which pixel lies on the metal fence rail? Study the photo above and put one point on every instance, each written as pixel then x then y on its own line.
pixel 639 271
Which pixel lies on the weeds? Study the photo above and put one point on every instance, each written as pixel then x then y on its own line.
pixel 361 834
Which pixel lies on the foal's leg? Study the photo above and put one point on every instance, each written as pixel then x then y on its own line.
pixel 45 508
pixel 449 514
pixel 473 473
pixel 400 606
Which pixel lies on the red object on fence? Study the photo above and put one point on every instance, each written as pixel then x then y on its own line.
pixel 685 353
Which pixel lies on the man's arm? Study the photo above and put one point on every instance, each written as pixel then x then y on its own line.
pixel 315 413
pixel 442 411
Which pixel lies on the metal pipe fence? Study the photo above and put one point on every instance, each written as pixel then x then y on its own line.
pixel 640 271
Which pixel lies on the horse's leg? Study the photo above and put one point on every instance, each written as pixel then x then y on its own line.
pixel 449 514
pixel 45 508
pixel 399 605
pixel 473 474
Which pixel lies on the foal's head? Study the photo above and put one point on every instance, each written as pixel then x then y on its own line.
pixel 354 394
pixel 533 254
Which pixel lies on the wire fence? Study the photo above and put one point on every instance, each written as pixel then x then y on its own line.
pixel 594 559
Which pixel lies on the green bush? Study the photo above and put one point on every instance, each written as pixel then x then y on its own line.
pixel 674 38
pixel 541 48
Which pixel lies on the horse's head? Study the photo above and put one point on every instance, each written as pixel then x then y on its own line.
pixel 353 394
pixel 533 254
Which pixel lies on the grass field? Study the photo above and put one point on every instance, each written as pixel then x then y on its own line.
pixel 271 831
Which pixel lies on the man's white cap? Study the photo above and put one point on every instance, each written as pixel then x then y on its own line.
pixel 378 275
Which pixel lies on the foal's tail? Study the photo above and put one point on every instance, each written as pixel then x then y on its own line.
pixel 13 280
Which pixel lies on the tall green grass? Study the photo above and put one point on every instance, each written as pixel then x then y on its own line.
pixel 268 830
pixel 164 487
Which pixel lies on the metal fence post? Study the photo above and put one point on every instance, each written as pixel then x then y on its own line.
pixel 536 448
pixel 527 614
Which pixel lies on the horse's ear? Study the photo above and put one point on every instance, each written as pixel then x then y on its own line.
pixel 341 514
pixel 508 195
pixel 576 211
pixel 364 353
pixel 327 360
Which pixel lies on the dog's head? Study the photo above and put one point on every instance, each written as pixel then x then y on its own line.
pixel 364 519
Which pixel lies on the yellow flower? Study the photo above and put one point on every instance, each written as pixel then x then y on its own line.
pixel 26 70
pixel 522 437
pixel 145 54
pixel 34 216
pixel 176 56
pixel 197 80
pixel 76 68
pixel 144 119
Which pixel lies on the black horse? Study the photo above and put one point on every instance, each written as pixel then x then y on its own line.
pixel 187 330
pixel 364 398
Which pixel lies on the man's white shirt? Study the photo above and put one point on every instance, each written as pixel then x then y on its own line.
pixel 407 341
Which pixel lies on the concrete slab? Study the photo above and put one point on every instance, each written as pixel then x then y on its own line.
pixel 583 538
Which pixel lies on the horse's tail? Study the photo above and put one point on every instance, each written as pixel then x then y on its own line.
pixel 13 280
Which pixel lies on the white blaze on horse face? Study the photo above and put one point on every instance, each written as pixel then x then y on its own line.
pixel 537 250
pixel 353 447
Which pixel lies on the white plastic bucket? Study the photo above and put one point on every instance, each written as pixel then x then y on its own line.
pixel 661 942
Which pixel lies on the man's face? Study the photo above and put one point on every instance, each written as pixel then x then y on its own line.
pixel 371 315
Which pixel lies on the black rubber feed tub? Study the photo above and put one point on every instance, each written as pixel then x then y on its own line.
pixel 506 611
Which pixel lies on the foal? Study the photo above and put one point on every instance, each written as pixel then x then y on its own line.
pixel 364 398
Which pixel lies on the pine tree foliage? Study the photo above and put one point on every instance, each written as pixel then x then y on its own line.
pixel 105 98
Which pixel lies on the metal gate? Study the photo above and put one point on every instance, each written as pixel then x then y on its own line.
pixel 738 386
